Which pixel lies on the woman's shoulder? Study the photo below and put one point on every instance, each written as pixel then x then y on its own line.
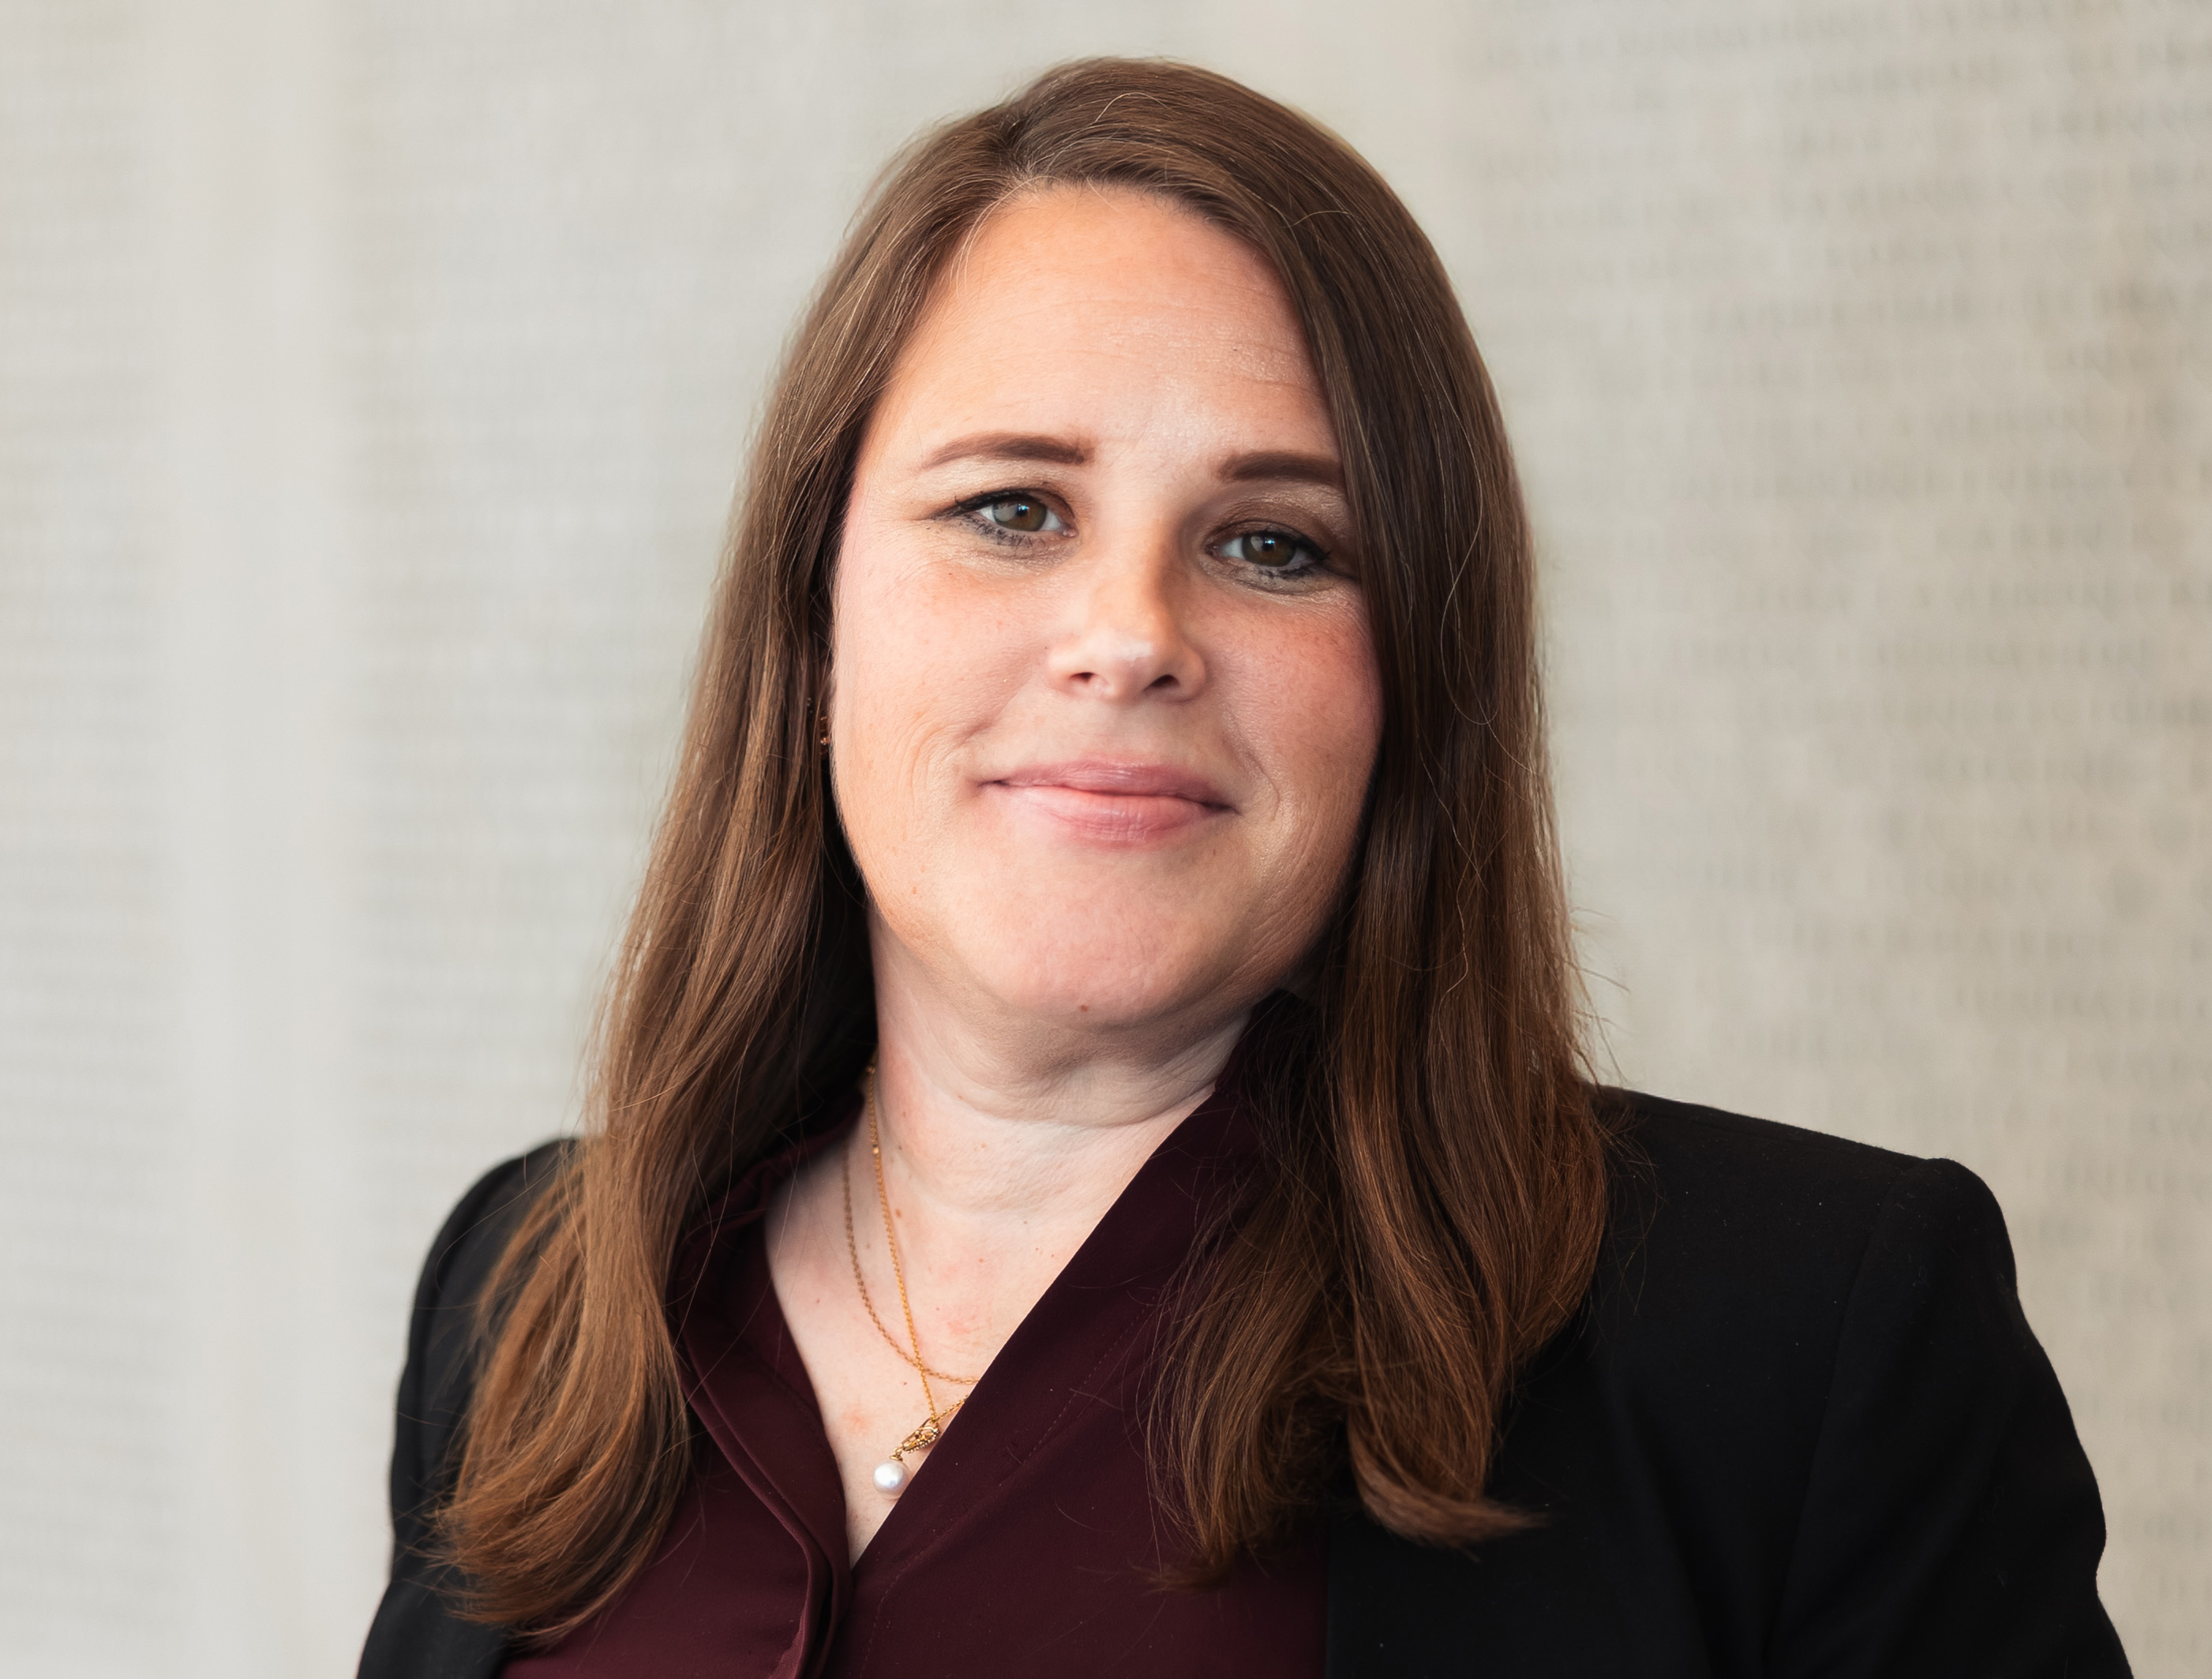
pixel 442 1327
pixel 414 1631
pixel 1695 1147
pixel 1800 1425
pixel 1709 1201
pixel 1774 1262
pixel 469 1243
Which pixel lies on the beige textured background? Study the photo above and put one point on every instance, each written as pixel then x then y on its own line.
pixel 372 379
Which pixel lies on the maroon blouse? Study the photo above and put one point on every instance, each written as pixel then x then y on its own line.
pixel 1027 1541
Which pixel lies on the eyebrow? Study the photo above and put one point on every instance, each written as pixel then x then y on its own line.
pixel 1274 465
pixel 1282 466
pixel 1010 445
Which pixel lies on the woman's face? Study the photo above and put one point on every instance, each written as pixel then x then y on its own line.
pixel 1104 703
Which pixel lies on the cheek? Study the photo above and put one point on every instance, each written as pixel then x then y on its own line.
pixel 1312 713
pixel 919 665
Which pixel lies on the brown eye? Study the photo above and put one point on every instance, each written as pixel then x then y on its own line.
pixel 1019 513
pixel 1272 551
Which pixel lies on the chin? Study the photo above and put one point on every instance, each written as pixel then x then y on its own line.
pixel 1073 978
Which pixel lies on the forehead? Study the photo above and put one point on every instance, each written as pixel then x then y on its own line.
pixel 1111 301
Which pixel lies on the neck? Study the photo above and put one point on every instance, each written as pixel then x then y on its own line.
pixel 999 1130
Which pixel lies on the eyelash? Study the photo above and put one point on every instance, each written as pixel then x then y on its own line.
pixel 970 512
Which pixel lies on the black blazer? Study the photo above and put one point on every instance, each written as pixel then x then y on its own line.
pixel 1799 1427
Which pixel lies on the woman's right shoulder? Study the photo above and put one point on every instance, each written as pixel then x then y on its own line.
pixel 442 1329
pixel 415 1631
pixel 475 1233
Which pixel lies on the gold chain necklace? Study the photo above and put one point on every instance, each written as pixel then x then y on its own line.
pixel 852 1248
pixel 891 1475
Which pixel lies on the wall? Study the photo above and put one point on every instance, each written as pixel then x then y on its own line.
pixel 372 383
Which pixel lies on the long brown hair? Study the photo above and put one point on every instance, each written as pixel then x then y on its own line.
pixel 1437 1191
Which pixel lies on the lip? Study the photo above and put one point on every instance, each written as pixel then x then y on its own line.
pixel 1117 801
pixel 1128 779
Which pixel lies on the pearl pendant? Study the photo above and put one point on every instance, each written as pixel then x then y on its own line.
pixel 890 1477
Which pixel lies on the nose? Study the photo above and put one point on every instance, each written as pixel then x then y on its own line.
pixel 1127 636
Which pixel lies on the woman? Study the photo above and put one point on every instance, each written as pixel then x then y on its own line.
pixel 1094 1170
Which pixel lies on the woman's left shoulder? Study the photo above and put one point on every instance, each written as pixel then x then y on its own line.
pixel 1791 1265
pixel 1799 1426
pixel 1701 1197
pixel 1810 1355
